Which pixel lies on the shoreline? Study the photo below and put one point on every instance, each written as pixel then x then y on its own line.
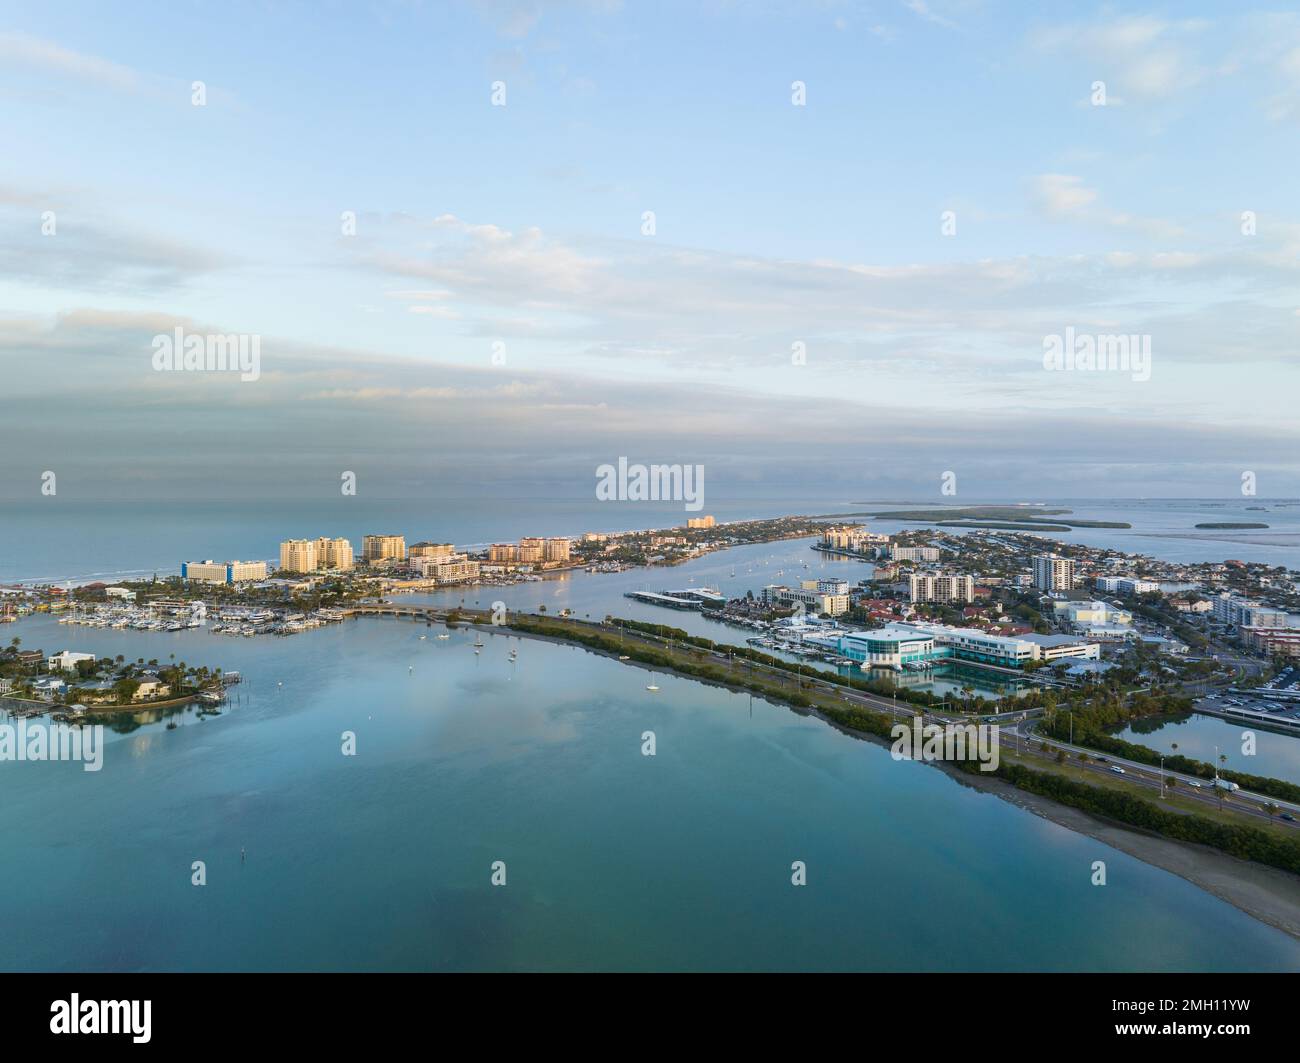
pixel 1266 894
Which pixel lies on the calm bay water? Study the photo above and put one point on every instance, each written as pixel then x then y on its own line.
pixel 63 538
pixel 614 860
pixel 1277 754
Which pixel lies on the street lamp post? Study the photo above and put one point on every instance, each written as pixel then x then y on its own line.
pixel 1162 776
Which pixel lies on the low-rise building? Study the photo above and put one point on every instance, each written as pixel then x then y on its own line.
pixel 1091 614
pixel 66 661
pixel 1243 613
pixel 1125 585
pixel 452 568
pixel 913 553
pixel 223 571
pixel 1277 642
pixel 151 688
pixel 895 647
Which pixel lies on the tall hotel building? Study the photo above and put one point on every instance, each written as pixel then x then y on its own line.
pixel 334 554
pixel 431 550
pixel 532 550
pixel 1052 573
pixel 298 555
pixel 380 548
pixel 557 550
pixel 507 553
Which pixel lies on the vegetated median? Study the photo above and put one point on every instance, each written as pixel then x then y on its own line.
pixel 1119 747
pixel 1240 840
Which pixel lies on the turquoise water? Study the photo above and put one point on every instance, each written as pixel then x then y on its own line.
pixel 1277 755
pixel 614 860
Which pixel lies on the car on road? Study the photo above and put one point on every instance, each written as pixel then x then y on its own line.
pixel 1287 816
pixel 1118 770
pixel 1193 784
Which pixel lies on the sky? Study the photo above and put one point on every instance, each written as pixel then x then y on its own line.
pixel 819 248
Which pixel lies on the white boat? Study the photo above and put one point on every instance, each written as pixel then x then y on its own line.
pixel 652 687
pixel 444 636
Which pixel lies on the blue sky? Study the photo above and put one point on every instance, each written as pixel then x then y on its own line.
pixel 520 226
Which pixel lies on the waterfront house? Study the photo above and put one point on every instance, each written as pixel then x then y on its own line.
pixel 67 661
pixel 151 688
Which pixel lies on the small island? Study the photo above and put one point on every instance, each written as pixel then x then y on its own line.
pixel 1236 526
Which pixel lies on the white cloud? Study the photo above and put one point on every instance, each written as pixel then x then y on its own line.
pixel 922 9
pixel 46 55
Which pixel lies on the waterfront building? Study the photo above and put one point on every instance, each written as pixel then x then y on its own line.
pixel 333 554
pixel 223 571
pixel 895 647
pixel 532 551
pixel 454 568
pixel 700 522
pixel 559 549
pixel 421 550
pixel 381 548
pixel 1243 613
pixel 1056 647
pixel 913 553
pixel 813 600
pixel 503 553
pixel 151 688
pixel 854 537
pixel 971 644
pixel 1125 585
pixel 909 645
pixel 66 661
pixel 297 555
pixel 1054 573
pixel 941 587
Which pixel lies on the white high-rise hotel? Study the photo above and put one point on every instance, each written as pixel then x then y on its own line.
pixel 1052 573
